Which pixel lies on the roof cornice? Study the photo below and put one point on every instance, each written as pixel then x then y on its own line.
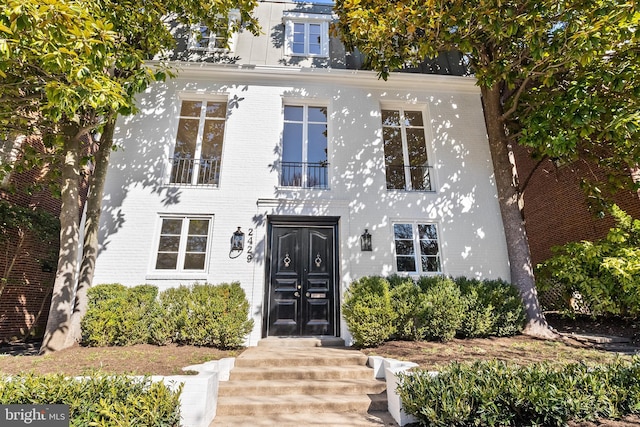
pixel 291 75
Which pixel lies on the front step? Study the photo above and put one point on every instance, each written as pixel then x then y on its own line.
pixel 308 385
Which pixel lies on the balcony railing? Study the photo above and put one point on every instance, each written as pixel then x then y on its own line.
pixel 305 175
pixel 194 171
pixel 410 178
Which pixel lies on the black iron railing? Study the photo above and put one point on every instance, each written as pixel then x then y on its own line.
pixel 410 178
pixel 195 171
pixel 306 175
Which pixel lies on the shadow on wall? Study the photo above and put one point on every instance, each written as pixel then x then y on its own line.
pixel 456 204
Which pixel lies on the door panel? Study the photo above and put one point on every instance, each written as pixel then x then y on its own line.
pixel 302 281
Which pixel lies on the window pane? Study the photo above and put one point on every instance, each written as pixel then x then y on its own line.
pixel 431 264
pixel 428 231
pixel 186 138
pixel 413 118
pixel 217 109
pixel 293 113
pixel 212 139
pixel 191 108
pixel 194 261
pixel 428 247
pixel 404 247
pixel 167 261
pixel 403 231
pixel 197 244
pixel 169 244
pixel 317 146
pixel 390 118
pixel 318 114
pixel 393 157
pixel 292 143
pixel 199 227
pixel 406 263
pixel 171 226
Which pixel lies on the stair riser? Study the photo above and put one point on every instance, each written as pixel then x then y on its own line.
pixel 291 407
pixel 283 362
pixel 266 390
pixel 237 375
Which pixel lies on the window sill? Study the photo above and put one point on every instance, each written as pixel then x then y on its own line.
pixel 177 275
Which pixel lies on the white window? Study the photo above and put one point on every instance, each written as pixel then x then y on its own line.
pixel 198 150
pixel 304 147
pixel 306 34
pixel 221 38
pixel 183 243
pixel 417 249
pixel 9 147
pixel 405 150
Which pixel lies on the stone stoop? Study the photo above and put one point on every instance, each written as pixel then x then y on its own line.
pixel 301 385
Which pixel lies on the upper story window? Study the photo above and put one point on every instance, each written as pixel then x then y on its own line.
pixel 405 150
pixel 304 147
pixel 198 150
pixel 9 146
pixel 417 248
pixel 306 34
pixel 221 38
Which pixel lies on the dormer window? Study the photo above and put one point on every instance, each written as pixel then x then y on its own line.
pixel 306 34
pixel 221 38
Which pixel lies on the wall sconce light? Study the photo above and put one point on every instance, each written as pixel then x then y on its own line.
pixel 237 241
pixel 365 241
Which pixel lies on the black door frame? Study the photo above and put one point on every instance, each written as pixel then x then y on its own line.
pixel 306 221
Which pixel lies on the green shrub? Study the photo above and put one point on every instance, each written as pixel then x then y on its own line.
pixel 117 315
pixel 606 273
pixel 98 400
pixel 405 298
pixel 201 314
pixel 440 308
pixel 208 315
pixel 368 312
pixel 492 308
pixel 495 393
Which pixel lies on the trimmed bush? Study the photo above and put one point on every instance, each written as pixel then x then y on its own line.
pixel 440 308
pixel 492 308
pixel 405 302
pixel 495 393
pixel 208 315
pixel 368 312
pixel 201 314
pixel 117 315
pixel 98 400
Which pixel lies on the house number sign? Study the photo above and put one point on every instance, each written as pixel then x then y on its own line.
pixel 250 245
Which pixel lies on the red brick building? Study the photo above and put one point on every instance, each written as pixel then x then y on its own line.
pixel 556 210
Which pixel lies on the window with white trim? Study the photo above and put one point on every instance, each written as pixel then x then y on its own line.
pixel 197 154
pixel 304 147
pixel 221 38
pixel 9 146
pixel 417 249
pixel 183 243
pixel 405 150
pixel 306 34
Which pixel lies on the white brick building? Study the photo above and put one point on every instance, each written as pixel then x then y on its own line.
pixel 289 142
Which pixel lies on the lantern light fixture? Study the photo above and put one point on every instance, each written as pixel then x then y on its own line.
pixel 365 241
pixel 237 241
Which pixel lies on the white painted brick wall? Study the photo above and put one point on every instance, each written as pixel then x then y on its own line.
pixel 464 204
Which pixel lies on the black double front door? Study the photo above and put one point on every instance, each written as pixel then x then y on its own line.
pixel 301 281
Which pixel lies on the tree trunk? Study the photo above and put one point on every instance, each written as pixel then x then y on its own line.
pixel 91 227
pixel 513 222
pixel 61 299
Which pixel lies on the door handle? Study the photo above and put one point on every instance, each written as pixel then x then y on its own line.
pixel 296 294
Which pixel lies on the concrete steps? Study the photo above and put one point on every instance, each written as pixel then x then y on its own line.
pixel 305 384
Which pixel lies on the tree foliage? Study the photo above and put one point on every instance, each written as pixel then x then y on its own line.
pixel 606 273
pixel 559 77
